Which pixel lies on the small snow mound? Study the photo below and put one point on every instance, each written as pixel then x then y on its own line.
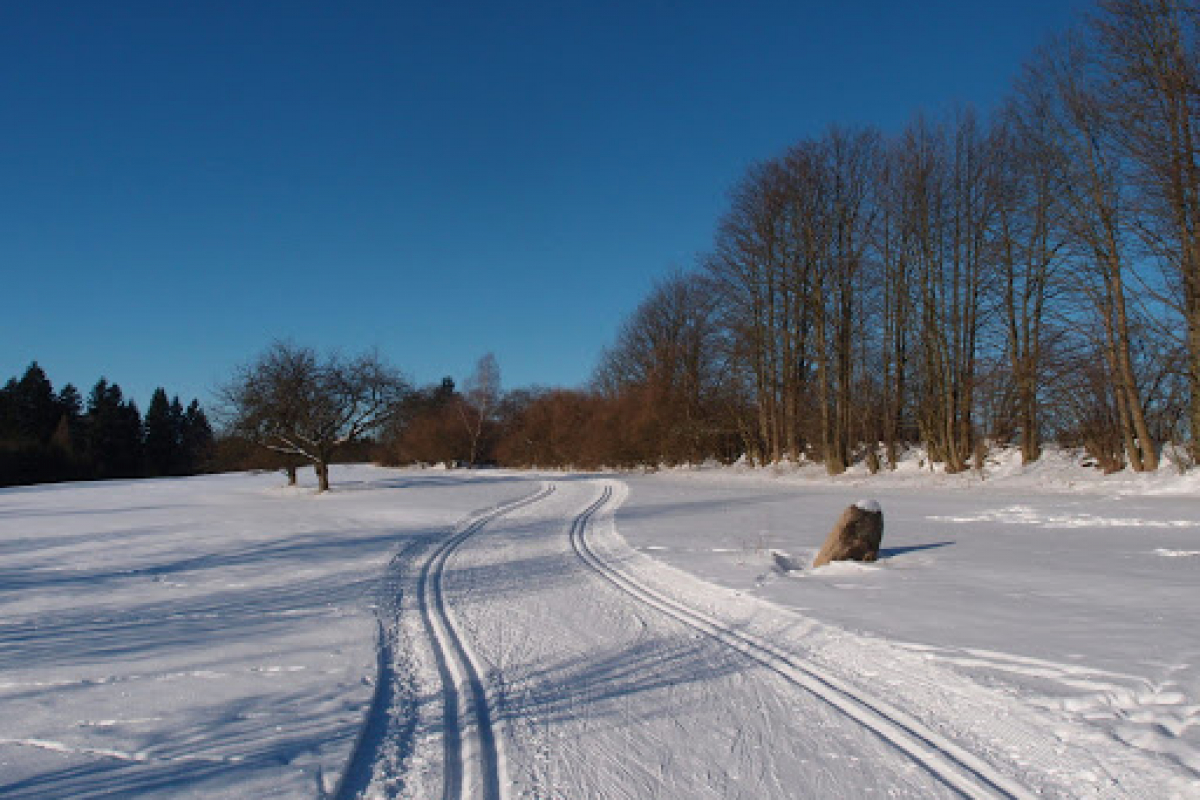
pixel 868 505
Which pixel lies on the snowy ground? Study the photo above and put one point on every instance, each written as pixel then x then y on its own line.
pixel 209 636
pixel 1031 633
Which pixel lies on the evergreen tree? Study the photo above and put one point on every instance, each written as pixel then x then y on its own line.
pixel 70 403
pixel 196 439
pixel 47 436
pixel 8 412
pixel 62 437
pixel 70 421
pixel 35 444
pixel 33 409
pixel 114 433
pixel 164 435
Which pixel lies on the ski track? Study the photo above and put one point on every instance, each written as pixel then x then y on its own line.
pixel 469 689
pixel 958 769
pixel 473 763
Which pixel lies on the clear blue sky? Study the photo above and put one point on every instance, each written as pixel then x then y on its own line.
pixel 180 183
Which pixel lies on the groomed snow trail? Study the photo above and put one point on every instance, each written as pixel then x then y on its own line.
pixel 529 652
pixel 472 763
pixel 960 770
pixel 540 670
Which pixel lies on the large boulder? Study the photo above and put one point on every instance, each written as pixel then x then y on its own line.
pixel 855 537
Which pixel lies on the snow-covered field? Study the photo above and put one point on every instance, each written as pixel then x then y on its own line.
pixel 1025 633
pixel 207 636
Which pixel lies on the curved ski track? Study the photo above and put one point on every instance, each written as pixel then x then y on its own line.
pixel 958 769
pixel 461 675
pixel 473 760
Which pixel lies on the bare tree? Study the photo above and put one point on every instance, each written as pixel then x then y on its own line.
pixel 1031 248
pixel 667 356
pixel 947 194
pixel 293 402
pixel 748 268
pixel 1100 216
pixel 892 235
pixel 967 281
pixel 481 395
pixel 837 304
pixel 1150 52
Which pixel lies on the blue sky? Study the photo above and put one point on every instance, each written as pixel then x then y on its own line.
pixel 180 183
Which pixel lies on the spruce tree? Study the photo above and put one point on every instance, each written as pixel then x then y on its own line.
pixel 70 421
pixel 34 408
pixel 196 439
pixel 163 443
pixel 35 440
pixel 114 433
pixel 8 412
pixel 70 403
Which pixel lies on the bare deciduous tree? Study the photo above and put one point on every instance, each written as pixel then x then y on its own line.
pixel 1031 248
pixel 481 395
pixel 668 358
pixel 1150 53
pixel 1100 217
pixel 293 402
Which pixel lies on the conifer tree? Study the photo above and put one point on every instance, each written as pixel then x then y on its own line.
pixel 70 402
pixel 196 439
pixel 114 433
pixel 33 409
pixel 164 429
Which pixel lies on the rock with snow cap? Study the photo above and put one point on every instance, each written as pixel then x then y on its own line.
pixel 856 536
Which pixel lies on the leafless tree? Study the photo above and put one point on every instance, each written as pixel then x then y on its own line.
pixel 1100 216
pixel 969 280
pixel 948 195
pixel 294 402
pixel 758 271
pixel 481 395
pixel 668 355
pixel 1031 248
pixel 1149 51
pixel 837 300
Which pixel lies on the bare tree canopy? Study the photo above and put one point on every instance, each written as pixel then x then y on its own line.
pixel 292 401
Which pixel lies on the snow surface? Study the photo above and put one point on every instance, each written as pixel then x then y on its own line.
pixel 1026 632
pixel 208 637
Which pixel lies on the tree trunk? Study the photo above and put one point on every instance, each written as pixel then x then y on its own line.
pixel 1193 374
pixel 291 474
pixel 1031 440
pixel 322 470
pixel 1146 457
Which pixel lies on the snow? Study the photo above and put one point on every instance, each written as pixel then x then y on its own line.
pixel 1025 632
pixel 209 636
pixel 1062 589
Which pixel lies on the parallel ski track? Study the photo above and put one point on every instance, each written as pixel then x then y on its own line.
pixel 960 770
pixel 469 741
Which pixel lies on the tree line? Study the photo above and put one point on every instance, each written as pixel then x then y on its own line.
pixel 970 281
pixel 48 435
